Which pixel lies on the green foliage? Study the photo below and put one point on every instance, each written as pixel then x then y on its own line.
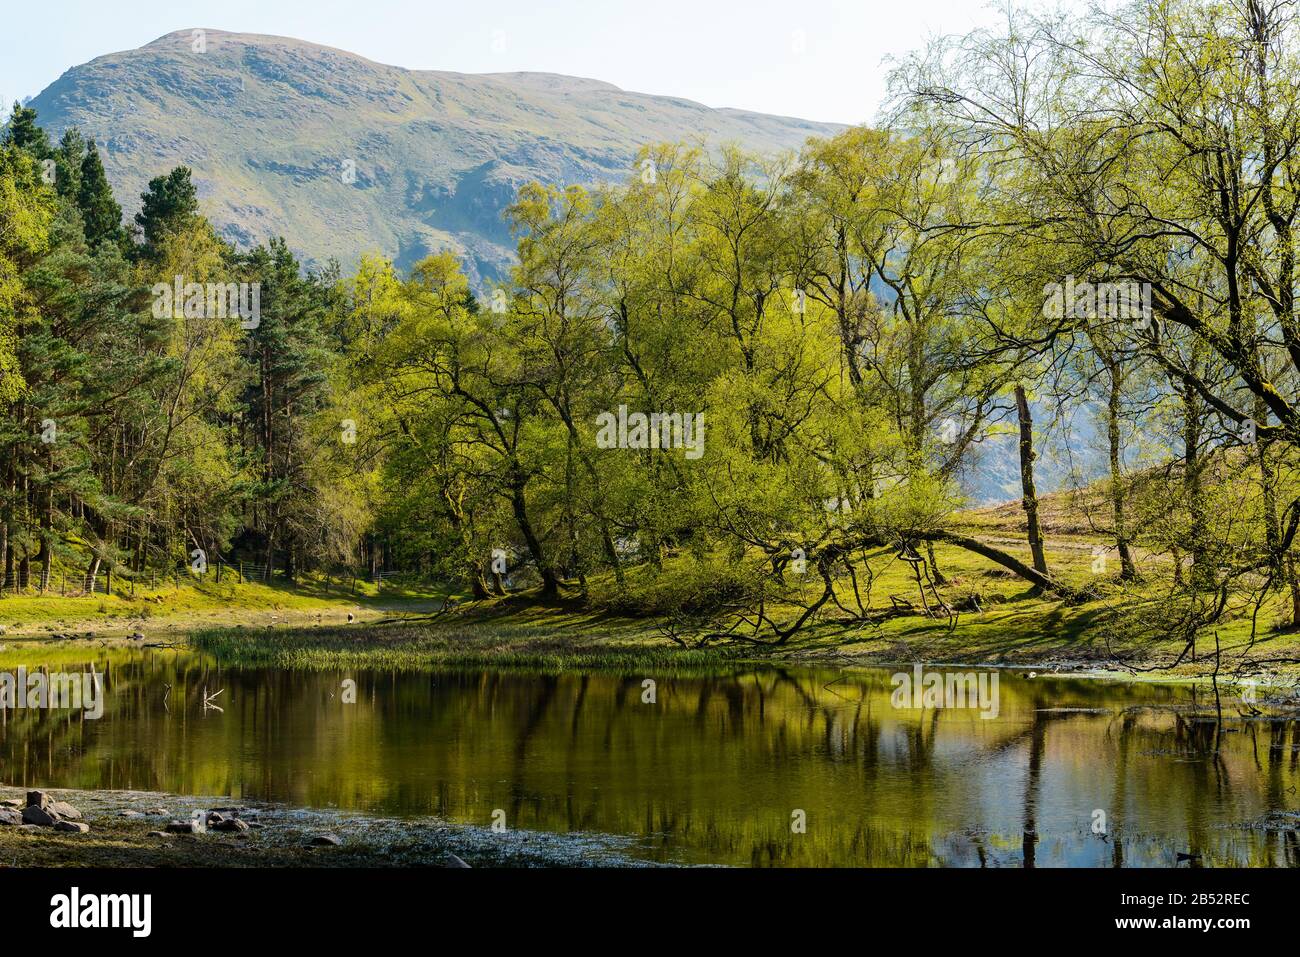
pixel 169 204
pixel 100 213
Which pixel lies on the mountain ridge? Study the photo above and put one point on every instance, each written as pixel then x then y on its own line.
pixel 344 155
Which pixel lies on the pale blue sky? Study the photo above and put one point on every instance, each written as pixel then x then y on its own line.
pixel 817 59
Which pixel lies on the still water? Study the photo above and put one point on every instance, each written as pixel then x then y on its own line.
pixel 721 768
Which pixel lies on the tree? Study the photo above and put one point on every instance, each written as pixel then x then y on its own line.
pixel 23 133
pixel 170 203
pixel 101 216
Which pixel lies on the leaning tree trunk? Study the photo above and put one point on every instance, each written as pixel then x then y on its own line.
pixel 1029 495
pixel 1008 561
pixel 550 582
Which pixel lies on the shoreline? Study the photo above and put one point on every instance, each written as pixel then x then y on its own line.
pixel 281 837
pixel 301 628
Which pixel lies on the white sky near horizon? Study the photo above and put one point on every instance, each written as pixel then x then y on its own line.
pixel 815 59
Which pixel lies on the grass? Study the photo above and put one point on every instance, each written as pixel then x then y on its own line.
pixel 514 635
pixel 192 604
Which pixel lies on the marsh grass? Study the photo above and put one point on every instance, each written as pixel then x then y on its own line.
pixel 411 647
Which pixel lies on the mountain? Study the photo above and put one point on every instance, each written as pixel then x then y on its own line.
pixel 343 156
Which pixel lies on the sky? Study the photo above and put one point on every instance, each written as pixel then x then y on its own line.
pixel 815 59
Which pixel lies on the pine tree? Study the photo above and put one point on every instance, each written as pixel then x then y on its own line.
pixel 100 213
pixel 68 158
pixel 23 133
pixel 169 203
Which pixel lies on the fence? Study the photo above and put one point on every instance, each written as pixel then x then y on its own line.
pixel 126 584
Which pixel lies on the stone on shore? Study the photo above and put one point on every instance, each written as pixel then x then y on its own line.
pixel 76 827
pixel 34 814
pixel 64 810
pixel 9 816
pixel 326 840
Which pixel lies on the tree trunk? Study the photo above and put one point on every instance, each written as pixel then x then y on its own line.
pixel 1002 558
pixel 1127 570
pixel 1283 563
pixel 550 583
pixel 1029 495
pixel 1193 492
pixel 46 554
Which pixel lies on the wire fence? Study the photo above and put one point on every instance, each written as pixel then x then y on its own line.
pixel 127 584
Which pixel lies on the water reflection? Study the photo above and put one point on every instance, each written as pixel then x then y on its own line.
pixel 710 772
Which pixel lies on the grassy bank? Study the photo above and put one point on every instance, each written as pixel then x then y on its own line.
pixel 180 608
pixel 1005 622
pixel 502 635
pixel 1016 626
pixel 1108 625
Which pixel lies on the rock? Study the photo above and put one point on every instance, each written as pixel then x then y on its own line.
pixel 39 816
pixel 255 825
pixel 77 827
pixel 156 834
pixel 29 828
pixel 215 818
pixel 132 814
pixel 183 827
pixel 158 811
pixel 64 810
pixel 9 816
pixel 326 840
pixel 12 802
pixel 38 799
pixel 454 861
pixel 229 824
